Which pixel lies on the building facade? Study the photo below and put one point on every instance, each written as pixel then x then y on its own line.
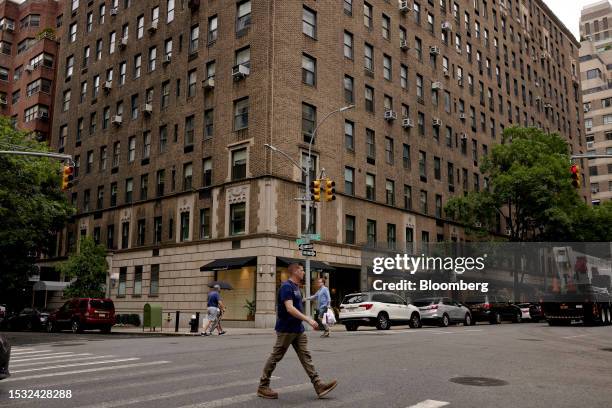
pixel 596 72
pixel 28 61
pixel 174 101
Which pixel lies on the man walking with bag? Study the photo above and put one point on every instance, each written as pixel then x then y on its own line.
pixel 215 306
pixel 290 332
pixel 323 299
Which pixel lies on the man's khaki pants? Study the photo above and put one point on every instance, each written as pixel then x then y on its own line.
pixel 299 341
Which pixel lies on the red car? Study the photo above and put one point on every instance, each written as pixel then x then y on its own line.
pixel 83 314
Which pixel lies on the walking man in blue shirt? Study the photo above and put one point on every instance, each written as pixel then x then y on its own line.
pixel 214 308
pixel 323 299
pixel 290 332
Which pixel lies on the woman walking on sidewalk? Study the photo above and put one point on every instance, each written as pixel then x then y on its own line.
pixel 290 332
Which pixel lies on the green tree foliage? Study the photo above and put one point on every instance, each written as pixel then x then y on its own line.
pixel 89 268
pixel 32 207
pixel 530 188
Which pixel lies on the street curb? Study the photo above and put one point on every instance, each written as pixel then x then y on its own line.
pixel 181 334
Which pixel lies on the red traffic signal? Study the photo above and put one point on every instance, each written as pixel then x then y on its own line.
pixel 576 177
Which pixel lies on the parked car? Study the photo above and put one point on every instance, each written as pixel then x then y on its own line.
pixel 532 311
pixel 2 314
pixel 5 356
pixel 27 319
pixel 443 311
pixel 493 309
pixel 83 314
pixel 379 309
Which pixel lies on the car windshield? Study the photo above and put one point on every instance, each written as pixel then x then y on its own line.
pixel 423 302
pixel 524 305
pixel 356 298
pixel 101 304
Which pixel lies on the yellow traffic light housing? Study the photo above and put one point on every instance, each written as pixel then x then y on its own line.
pixel 576 177
pixel 330 191
pixel 315 190
pixel 67 177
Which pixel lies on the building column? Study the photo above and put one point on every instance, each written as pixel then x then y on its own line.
pixel 265 313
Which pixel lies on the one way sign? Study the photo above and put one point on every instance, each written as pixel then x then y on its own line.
pixel 309 252
pixel 306 247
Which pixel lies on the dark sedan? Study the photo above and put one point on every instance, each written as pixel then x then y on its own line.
pixel 27 319
pixel 5 355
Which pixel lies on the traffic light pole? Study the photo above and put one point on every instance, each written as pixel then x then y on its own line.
pixel 38 154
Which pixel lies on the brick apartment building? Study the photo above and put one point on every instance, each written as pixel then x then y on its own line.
pixel 28 61
pixel 171 102
pixel 595 60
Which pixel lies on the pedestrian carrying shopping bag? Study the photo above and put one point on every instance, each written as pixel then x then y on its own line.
pixel 329 318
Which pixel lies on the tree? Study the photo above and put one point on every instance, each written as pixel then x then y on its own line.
pixel 529 188
pixel 32 208
pixel 89 268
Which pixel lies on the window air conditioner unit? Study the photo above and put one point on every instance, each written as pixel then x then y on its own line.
pixel 43 115
pixel 462 116
pixel 153 27
pixel 547 106
pixel 9 26
pixel 208 83
pixel 3 101
pixel 240 72
pixel 404 6
pixel 446 26
pixel 407 123
pixel 447 73
pixel 436 122
pixel 123 43
pixel 460 81
pixel 436 85
pixel 167 58
pixel 147 108
pixel 116 120
pixel 458 49
pixel 586 109
pixel 464 136
pixel 590 145
pixel 390 115
pixel 114 11
pixel 433 50
pixel 404 45
pixel 108 85
pixel 29 68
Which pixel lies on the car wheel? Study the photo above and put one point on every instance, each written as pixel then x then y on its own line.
pixel 445 321
pixel 518 318
pixel 50 327
pixel 382 321
pixel 76 326
pixel 468 320
pixel 351 327
pixel 415 321
pixel 497 319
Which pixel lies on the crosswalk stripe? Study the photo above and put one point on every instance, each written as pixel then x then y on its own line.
pixel 430 404
pixel 52 362
pixel 49 356
pixel 89 370
pixel 21 349
pixel 236 399
pixel 22 353
pixel 171 394
pixel 120 360
pixel 360 396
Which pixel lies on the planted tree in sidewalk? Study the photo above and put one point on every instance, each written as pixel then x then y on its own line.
pixel 529 187
pixel 32 208
pixel 89 268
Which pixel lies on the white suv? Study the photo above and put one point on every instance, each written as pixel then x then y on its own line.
pixel 380 309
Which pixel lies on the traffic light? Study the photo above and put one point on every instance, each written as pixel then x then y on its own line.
pixel 330 191
pixel 576 178
pixel 67 177
pixel 315 190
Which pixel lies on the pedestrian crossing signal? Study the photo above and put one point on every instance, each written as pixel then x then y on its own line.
pixel 67 177
pixel 315 190
pixel 575 173
pixel 330 191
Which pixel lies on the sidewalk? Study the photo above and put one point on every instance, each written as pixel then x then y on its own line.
pixel 132 330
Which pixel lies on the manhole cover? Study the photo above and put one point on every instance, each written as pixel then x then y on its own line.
pixel 606 349
pixel 479 381
pixel 531 339
pixel 68 345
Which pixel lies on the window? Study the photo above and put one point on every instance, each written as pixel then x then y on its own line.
pixel 69 66
pixel 140 26
pixel 168 48
pixel 407 197
pixel 207 172
pixel 204 223
pixel 367 15
pixel 131 149
pixel 423 201
pixel 368 57
pixel 113 194
pixel 163 138
pixel 189 130
pixel 241 114
pixel 102 14
pixel 239 164
pixel 123 269
pixel 370 144
pixel 309 22
pixel 390 192
pixel 391 236
pixel 389 155
pixel 371 231
pixel 165 94
pixel 191 83
pixel 152 58
pixel 146 144
pixel 419 86
pixel 370 187
pixel 406 162
pixel 309 119
pixel 137 65
pixel 187 176
pixel 237 218
pixel 404 76
pixel 73 32
pixel 170 11
pixel 160 182
pixel 134 106
pixel 122 72
pixel 208 123
pixel 385 23
pixel 348 7
pixel 349 180
pixel 369 99
pixel 194 36
pixel 212 29
pixel 348 89
pixel 387 64
pixel 423 164
pixel 129 189
pixel 144 186
pixel 309 70
pixel 349 229
pixel 99 46
pixel 243 16
pixel 348 45
pixel 140 242
pixel 349 135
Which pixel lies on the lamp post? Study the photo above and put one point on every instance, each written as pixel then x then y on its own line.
pixel 307 199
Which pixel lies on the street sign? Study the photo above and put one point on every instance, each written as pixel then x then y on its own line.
pixel 312 237
pixel 306 247
pixel 302 241
pixel 309 252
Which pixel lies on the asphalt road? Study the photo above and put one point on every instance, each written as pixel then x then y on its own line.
pixel 515 365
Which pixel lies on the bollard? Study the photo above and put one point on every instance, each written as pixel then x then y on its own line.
pixel 176 321
pixel 193 323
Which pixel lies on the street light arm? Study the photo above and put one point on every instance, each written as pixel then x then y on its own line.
pixel 314 132
pixel 276 149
